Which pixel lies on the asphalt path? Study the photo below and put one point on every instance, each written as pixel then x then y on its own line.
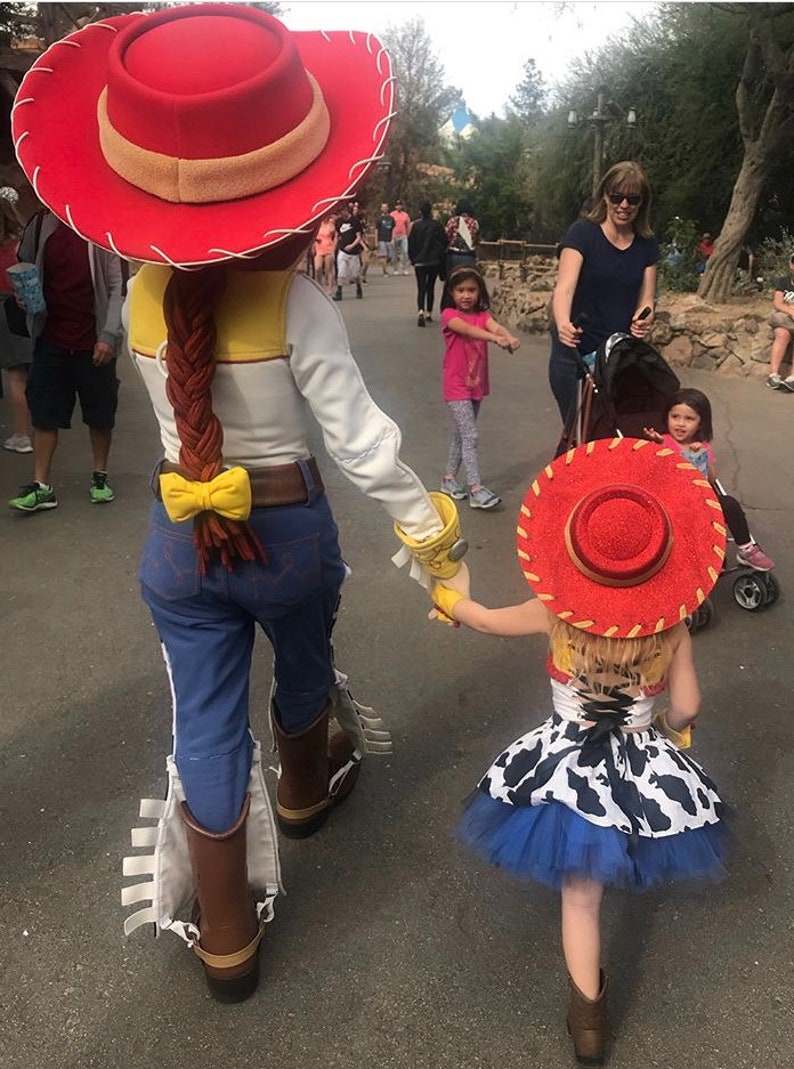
pixel 393 946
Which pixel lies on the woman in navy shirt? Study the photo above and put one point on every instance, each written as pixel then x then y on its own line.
pixel 607 275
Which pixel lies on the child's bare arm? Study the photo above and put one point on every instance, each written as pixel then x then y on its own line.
pixel 529 618
pixel 509 341
pixel 682 683
pixel 460 326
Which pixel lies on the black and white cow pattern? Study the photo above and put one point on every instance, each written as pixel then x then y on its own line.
pixel 636 782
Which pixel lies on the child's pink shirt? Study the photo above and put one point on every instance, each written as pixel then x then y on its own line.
pixel 700 458
pixel 465 375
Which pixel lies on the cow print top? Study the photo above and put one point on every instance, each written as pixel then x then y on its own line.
pixel 637 782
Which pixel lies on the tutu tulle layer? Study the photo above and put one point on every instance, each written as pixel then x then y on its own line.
pixel 549 842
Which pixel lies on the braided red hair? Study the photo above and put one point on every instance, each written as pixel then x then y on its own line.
pixel 189 305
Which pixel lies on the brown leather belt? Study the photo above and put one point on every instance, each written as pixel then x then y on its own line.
pixel 284 484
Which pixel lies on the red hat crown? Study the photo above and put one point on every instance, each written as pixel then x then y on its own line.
pixel 205 129
pixel 619 535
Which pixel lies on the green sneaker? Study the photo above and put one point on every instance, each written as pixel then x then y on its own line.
pixel 33 497
pixel 101 490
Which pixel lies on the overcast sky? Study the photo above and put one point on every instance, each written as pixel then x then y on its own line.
pixel 483 44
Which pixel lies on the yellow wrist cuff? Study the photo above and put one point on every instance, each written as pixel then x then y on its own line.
pixel 446 599
pixel 441 554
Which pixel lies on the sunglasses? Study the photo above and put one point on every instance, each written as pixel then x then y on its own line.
pixel 634 199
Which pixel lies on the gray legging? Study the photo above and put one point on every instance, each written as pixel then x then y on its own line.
pixel 464 440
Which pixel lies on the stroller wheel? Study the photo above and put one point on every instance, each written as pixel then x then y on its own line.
pixel 772 588
pixel 701 617
pixel 750 591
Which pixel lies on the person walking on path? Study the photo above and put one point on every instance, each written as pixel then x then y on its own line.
pixel 402 227
pixel 349 245
pixel 75 346
pixel 617 541
pixel 15 350
pixel 687 416
pixel 606 278
pixel 463 232
pixel 468 326
pixel 384 231
pixel 427 244
pixel 325 254
pixel 236 349
pixel 782 323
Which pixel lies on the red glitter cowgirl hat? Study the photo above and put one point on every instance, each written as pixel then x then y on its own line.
pixel 201 132
pixel 621 537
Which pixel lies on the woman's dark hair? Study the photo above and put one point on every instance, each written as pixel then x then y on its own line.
pixel 464 207
pixel 425 209
pixel 189 305
pixel 698 402
pixel 466 274
pixel 624 177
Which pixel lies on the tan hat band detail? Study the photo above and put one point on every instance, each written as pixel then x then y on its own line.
pixel 222 178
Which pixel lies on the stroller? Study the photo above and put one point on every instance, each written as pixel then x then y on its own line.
pixel 623 388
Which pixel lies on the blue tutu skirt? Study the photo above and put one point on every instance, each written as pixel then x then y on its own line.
pixel 549 842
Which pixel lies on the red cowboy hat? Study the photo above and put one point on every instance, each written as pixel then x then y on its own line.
pixel 203 132
pixel 621 537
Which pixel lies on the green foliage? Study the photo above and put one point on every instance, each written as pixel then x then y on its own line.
pixel 16 20
pixel 424 103
pixel 493 166
pixel 774 254
pixel 679 257
pixel 529 100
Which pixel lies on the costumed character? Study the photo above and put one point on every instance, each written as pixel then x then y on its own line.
pixel 620 541
pixel 208 142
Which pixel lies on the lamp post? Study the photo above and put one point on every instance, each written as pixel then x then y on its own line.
pixel 598 121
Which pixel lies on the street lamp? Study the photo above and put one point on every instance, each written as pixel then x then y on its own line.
pixel 598 121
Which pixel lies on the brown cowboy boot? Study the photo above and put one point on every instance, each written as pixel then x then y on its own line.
pixel 315 774
pixel 225 912
pixel 587 1024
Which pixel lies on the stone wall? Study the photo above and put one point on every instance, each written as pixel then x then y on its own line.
pixel 731 338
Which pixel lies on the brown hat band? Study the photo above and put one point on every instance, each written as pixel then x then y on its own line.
pixel 203 181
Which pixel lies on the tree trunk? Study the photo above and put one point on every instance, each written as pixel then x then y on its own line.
pixel 760 135
pixel 717 281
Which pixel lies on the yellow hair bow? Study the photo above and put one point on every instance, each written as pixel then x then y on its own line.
pixel 228 494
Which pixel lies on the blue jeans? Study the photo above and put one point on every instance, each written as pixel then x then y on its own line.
pixel 207 626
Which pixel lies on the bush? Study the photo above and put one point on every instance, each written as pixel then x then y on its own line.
pixel 773 257
pixel 679 257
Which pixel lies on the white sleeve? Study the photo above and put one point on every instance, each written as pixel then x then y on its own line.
pixel 361 439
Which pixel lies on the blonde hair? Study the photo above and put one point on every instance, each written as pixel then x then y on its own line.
pixel 624 177
pixel 602 663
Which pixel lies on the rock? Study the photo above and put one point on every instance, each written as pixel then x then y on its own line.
pixel 712 340
pixel 751 326
pixel 679 352
pixel 732 365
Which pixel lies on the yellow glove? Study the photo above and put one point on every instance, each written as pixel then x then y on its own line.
pixel 444 601
pixel 440 554
pixel 681 739
pixel 228 494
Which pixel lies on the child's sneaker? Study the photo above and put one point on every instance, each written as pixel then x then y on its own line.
pixel 754 557
pixel 101 490
pixel 33 497
pixel 18 443
pixel 453 489
pixel 484 499
pixel 774 381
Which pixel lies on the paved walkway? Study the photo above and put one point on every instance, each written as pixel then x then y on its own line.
pixel 394 948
